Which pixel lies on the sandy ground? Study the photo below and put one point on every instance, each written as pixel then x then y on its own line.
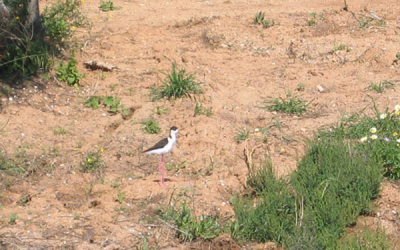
pixel 240 65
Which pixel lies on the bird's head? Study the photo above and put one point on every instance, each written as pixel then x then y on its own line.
pixel 174 130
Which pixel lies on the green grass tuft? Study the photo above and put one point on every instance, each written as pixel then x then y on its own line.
pixel 381 86
pixel 242 134
pixel 290 105
pixel 177 84
pixel 151 126
pixel 189 227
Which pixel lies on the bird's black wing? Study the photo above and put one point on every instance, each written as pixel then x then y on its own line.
pixel 158 145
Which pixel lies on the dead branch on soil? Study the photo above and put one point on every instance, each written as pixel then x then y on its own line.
pixel 5 124
pixel 105 66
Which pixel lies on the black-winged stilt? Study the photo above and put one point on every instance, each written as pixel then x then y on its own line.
pixel 162 147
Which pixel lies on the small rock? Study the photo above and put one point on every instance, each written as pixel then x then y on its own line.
pixel 320 88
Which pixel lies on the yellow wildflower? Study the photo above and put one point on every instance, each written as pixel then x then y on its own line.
pixel 395 133
pixel 373 130
pixel 374 137
pixel 89 160
pixel 383 116
pixel 17 18
pixel 102 150
pixel 110 15
pixel 397 112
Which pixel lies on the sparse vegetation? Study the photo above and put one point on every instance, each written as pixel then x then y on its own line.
pixel 108 6
pixel 176 167
pixel 312 19
pixel 160 111
pixel 111 102
pixel 260 19
pixel 151 126
pixel 290 105
pixel 339 47
pixel 366 239
pixel 13 219
pixel 177 84
pixel 381 86
pixel 300 87
pixel 60 131
pixel 199 110
pixel 20 163
pixel 242 134
pixel 69 73
pixel 191 228
pixel 92 162
pixel 121 197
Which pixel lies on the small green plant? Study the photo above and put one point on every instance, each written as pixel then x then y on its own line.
pixel 13 219
pixel 60 131
pixel 108 6
pixel 77 216
pixel 300 87
pixel 381 23
pixel 290 105
pixel 69 73
pixel 151 126
pixel 121 197
pixel 398 56
pixel 176 167
pixel 339 47
pixel 260 19
pixel 312 19
pixel 199 110
pixel 178 84
pixel 93 102
pixel 191 228
pixel 381 86
pixel 61 19
pixel 242 134
pixel 160 111
pixel 113 103
pixel 115 184
pixel 92 162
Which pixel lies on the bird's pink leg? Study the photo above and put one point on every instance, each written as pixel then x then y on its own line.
pixel 161 169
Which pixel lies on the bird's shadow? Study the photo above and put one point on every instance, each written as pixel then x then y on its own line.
pixel 165 180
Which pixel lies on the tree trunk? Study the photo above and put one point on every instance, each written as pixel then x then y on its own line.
pixel 34 24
